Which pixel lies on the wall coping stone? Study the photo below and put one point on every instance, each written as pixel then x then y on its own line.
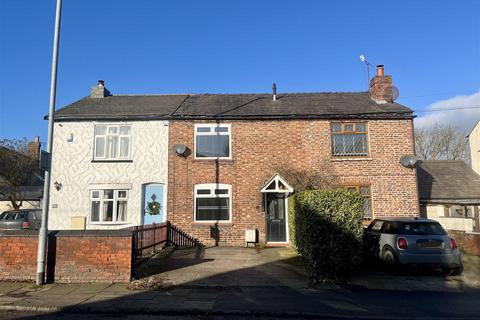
pixel 68 233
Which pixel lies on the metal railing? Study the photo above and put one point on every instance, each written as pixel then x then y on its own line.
pixel 179 238
pixel 149 239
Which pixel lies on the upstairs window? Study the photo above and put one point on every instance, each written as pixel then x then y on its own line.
pixel 213 202
pixel 367 199
pixel 112 142
pixel 349 139
pixel 108 206
pixel 212 141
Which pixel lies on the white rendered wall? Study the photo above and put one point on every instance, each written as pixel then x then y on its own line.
pixel 72 166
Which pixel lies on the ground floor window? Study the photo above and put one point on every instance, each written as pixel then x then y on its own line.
pixel 460 211
pixel 367 199
pixel 213 202
pixel 108 206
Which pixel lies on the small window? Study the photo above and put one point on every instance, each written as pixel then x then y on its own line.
pixel 212 141
pixel 108 206
pixel 213 202
pixel 461 211
pixel 349 139
pixel 112 142
pixel 367 199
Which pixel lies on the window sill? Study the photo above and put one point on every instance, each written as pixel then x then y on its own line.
pixel 212 223
pixel 340 159
pixel 108 223
pixel 220 160
pixel 113 161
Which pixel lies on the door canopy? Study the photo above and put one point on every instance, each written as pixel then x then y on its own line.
pixel 277 184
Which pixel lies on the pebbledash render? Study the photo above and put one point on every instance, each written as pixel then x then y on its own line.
pixel 223 159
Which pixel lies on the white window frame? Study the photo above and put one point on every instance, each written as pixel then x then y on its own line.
pixel 105 137
pixel 212 132
pixel 212 187
pixel 115 200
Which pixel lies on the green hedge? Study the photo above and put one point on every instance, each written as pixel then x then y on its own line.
pixel 326 228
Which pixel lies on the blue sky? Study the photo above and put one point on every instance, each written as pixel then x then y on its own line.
pixel 432 49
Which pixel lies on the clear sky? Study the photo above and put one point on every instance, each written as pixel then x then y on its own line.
pixel 432 49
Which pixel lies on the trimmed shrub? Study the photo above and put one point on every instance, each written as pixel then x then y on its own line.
pixel 326 228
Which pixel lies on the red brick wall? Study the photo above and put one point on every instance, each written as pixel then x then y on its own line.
pixel 93 259
pixel 76 258
pixel 261 148
pixel 469 242
pixel 18 258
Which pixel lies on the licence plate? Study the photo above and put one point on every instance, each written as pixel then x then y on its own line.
pixel 429 244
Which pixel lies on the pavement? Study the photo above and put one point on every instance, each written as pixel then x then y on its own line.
pixel 230 283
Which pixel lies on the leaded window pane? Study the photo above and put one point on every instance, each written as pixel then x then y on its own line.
pixel 336 127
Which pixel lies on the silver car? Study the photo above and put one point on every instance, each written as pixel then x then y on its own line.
pixel 21 219
pixel 413 241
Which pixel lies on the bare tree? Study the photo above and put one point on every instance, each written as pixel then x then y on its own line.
pixel 18 170
pixel 441 142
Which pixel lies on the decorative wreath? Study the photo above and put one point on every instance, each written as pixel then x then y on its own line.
pixel 154 208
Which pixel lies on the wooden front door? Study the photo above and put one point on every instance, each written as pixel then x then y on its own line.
pixel 276 217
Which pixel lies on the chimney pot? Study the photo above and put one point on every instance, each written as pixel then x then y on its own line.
pixel 380 70
pixel 99 91
pixel 274 89
pixel 381 86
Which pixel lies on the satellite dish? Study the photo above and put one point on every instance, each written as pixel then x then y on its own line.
pixel 395 93
pixel 408 161
pixel 180 149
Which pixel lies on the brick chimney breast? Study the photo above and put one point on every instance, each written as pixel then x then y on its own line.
pixel 34 148
pixel 381 87
pixel 99 91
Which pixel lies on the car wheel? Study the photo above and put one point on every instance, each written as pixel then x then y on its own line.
pixel 389 257
pixel 454 271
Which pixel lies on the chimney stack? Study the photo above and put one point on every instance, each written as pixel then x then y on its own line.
pixel 99 91
pixel 274 89
pixel 381 86
pixel 33 148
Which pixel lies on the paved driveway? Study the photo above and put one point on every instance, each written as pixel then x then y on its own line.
pixel 224 267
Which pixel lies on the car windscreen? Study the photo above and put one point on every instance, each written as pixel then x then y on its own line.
pixel 422 228
pixel 8 216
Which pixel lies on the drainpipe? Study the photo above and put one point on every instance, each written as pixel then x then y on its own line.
pixel 42 236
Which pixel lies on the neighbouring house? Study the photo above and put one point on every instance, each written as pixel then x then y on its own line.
pixel 214 161
pixel 474 142
pixel 449 192
pixel 30 195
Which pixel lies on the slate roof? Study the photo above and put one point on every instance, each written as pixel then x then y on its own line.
pixel 232 106
pixel 443 181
